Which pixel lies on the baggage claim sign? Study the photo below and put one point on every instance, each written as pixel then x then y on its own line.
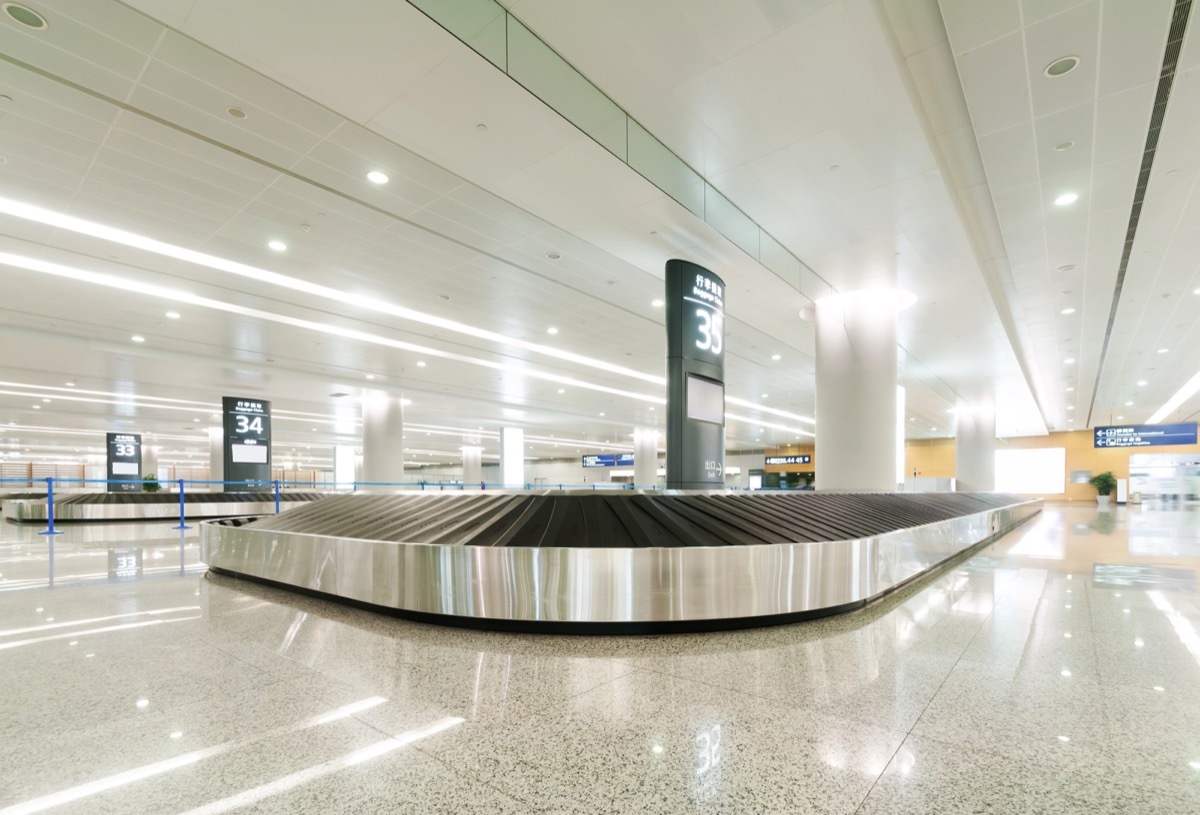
pixel 247 440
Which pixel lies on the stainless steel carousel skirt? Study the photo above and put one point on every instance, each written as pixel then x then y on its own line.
pixel 115 506
pixel 494 564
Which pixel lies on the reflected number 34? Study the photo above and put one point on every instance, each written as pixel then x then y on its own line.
pixel 711 323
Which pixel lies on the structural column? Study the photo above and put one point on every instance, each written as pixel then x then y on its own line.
pixel 383 437
pixel 216 458
pixel 343 466
pixel 512 457
pixel 472 465
pixel 149 460
pixel 856 392
pixel 975 447
pixel 645 458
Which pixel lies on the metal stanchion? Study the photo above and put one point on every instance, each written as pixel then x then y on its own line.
pixel 182 525
pixel 276 497
pixel 50 530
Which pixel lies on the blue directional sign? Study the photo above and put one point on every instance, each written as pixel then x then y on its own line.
pixel 608 460
pixel 1145 435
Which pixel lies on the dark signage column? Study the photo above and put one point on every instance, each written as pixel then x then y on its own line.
pixel 124 462
pixel 695 377
pixel 247 440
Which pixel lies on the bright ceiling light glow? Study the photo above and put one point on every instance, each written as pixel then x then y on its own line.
pixel 552 330
pixel 82 226
pixel 776 357
pixel 138 338
pixel 377 177
pixel 180 296
pixel 1066 199
pixel 1069 360
pixel 1142 383
pixel 1067 311
pixel 1163 350
pixel 657 303
pixel 744 403
pixel 277 246
pixel 1182 395
pixel 173 315
pixel 760 423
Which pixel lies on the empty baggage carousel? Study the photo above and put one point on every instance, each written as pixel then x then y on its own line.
pixel 596 562
pixel 149 506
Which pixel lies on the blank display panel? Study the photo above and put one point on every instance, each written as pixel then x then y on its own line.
pixel 705 400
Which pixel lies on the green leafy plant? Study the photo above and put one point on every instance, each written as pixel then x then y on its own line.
pixel 1104 483
pixel 150 484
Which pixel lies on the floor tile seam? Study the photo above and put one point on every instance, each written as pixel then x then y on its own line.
pixel 882 773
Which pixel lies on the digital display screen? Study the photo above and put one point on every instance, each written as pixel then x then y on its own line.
pixel 243 454
pixel 705 400
pixel 247 439
pixel 777 460
pixel 124 462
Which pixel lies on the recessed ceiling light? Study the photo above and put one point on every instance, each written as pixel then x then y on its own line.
pixel 1141 383
pixel 659 303
pixel 1064 145
pixel 370 376
pixel 1069 360
pixel 278 246
pixel 764 396
pixel 1129 404
pixel 25 16
pixel 1163 350
pixel 420 363
pixel 1067 310
pixel 562 390
pixel 553 255
pixel 236 112
pixel 1066 198
pixel 376 177
pixel 45 399
pixel 138 338
pixel 776 357
pixel 1070 389
pixel 172 315
pixel 600 414
pixel 1062 66
pixel 37 407
pixel 1119 418
pixel 552 330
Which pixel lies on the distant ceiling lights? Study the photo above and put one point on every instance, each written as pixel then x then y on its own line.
pixel 25 16
pixel 658 303
pixel 277 246
pixel 1182 395
pixel 1129 404
pixel 1163 350
pixel 420 363
pixel 236 112
pixel 552 330
pixel 776 357
pixel 1069 360
pixel 172 315
pixel 1067 311
pixel 377 177
pixel 138 338
pixel 1062 66
pixel 1066 199
pixel 1141 383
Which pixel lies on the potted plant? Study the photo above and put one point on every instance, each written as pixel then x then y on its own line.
pixel 1104 483
pixel 150 483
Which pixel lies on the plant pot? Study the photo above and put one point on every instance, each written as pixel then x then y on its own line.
pixel 1103 500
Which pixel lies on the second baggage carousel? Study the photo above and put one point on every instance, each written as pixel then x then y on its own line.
pixel 629 562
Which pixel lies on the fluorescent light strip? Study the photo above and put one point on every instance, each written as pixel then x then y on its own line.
pixel 39 429
pixel 731 400
pixel 772 425
pixel 1182 395
pixel 84 227
pixel 179 296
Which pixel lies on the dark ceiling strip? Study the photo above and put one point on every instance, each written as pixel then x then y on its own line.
pixel 1166 78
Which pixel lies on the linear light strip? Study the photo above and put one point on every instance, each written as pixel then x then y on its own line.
pixel 81 226
pixel 1185 393
pixel 179 296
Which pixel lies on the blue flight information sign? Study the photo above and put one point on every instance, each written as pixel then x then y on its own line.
pixel 1145 435
pixel 609 460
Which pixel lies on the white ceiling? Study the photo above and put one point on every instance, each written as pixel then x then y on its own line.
pixel 118 115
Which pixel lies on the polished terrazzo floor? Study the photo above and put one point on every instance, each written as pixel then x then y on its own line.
pixel 1055 671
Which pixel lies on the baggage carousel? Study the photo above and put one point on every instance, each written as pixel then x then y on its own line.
pixel 150 506
pixel 629 562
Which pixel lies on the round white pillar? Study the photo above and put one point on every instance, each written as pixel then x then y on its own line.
pixel 645 458
pixel 383 437
pixel 975 447
pixel 472 465
pixel 856 391
pixel 512 457
pixel 216 458
pixel 149 460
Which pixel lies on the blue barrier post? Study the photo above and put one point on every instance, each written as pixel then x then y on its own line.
pixel 276 497
pixel 50 530
pixel 182 525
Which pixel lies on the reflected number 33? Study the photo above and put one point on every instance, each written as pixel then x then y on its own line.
pixel 710 750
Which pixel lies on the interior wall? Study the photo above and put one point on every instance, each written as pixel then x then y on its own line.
pixel 935 457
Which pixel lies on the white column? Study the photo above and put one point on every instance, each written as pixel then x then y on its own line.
pixel 343 466
pixel 856 392
pixel 975 447
pixel 149 460
pixel 383 437
pixel 512 457
pixel 472 465
pixel 216 458
pixel 645 458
